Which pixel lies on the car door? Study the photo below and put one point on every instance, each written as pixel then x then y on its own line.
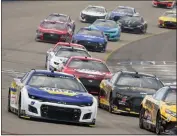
pixel 157 99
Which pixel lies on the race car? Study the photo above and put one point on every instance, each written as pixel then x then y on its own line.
pixel 121 11
pixel 110 28
pixel 59 45
pixel 90 71
pixel 54 32
pixel 52 96
pixel 158 111
pixel 124 92
pixel 92 40
pixel 55 60
pixel 92 13
pixel 135 24
pixel 56 17
pixel 168 20
pixel 164 3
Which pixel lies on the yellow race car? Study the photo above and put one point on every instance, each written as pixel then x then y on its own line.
pixel 158 111
pixel 168 19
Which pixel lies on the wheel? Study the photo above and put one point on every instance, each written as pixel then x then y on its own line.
pixel 158 124
pixel 141 117
pixel 46 62
pixel 73 28
pixel 144 30
pixel 8 106
pixel 19 107
pixel 110 105
pixel 99 105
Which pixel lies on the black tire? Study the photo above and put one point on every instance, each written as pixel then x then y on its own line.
pixel 99 105
pixel 19 107
pixel 46 62
pixel 8 106
pixel 141 117
pixel 144 30
pixel 110 104
pixel 74 29
pixel 158 124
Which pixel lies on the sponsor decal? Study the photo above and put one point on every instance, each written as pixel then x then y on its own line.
pixel 59 91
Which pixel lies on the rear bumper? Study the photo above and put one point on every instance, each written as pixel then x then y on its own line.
pixel 172 25
pixel 163 4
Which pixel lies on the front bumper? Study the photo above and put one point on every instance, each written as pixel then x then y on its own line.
pixel 112 36
pixel 168 24
pixel 89 18
pixel 131 105
pixel 59 112
pixel 170 129
pixel 92 46
pixel 51 38
pixel 131 29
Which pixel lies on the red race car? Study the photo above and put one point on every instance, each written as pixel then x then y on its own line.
pixel 90 71
pixel 54 32
pixel 164 3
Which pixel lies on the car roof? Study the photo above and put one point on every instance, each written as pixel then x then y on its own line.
pixel 47 72
pixel 139 73
pixel 86 58
pixel 127 7
pixel 69 44
pixel 96 6
pixel 59 14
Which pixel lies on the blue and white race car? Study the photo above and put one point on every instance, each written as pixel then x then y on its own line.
pixel 53 96
pixel 110 28
pixel 121 11
pixel 92 40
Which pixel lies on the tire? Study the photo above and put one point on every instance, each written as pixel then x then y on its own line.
pixel 141 116
pixel 46 62
pixel 144 30
pixel 158 124
pixel 19 107
pixel 99 105
pixel 8 106
pixel 110 104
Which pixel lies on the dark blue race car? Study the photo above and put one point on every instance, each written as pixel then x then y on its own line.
pixel 121 11
pixel 93 40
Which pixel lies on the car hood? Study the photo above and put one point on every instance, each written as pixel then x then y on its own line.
pixel 59 59
pixel 59 95
pixel 135 91
pixel 130 23
pixel 121 14
pixel 103 29
pixel 87 73
pixel 91 13
pixel 167 19
pixel 52 31
pixel 88 38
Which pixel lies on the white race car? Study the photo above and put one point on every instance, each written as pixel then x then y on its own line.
pixel 53 96
pixel 92 13
pixel 55 60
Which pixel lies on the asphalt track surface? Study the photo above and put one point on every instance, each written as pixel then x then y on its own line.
pixel 20 53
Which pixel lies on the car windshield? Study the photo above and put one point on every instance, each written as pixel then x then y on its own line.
pixel 64 52
pixel 50 25
pixel 57 18
pixel 171 96
pixel 90 32
pixel 173 15
pixel 88 64
pixel 123 10
pixel 59 82
pixel 95 9
pixel 110 24
pixel 139 81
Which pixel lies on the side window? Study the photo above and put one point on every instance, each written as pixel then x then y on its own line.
pixel 114 78
pixel 24 77
pixel 69 19
pixel 160 94
pixel 56 48
pixel 142 20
